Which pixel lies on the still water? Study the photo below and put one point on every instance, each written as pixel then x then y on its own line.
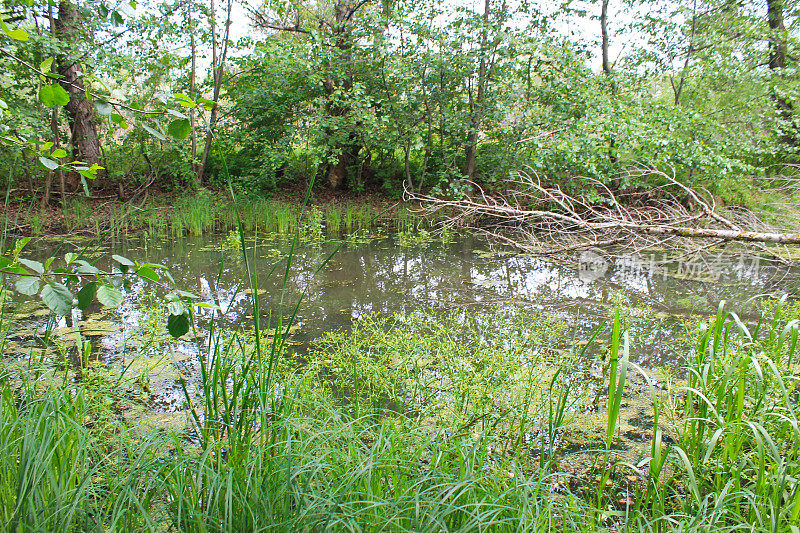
pixel 341 282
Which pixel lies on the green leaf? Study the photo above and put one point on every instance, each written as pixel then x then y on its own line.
pixel 59 153
pixel 178 325
pixel 184 100
pixel 3 104
pixel 157 134
pixel 84 267
pixel 46 95
pixel 89 174
pixel 180 128
pixel 187 294
pixel 60 94
pixel 103 107
pixel 17 34
pixel 46 65
pixel 208 104
pixel 176 308
pixel 36 266
pixel 109 296
pixel 148 273
pixel 86 190
pixel 123 260
pixel 53 95
pixel 119 120
pixel 176 113
pixel 116 19
pixel 49 163
pixel 57 297
pixel 86 295
pixel 4 262
pixel 28 285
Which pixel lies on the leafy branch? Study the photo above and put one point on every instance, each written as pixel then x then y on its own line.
pixel 65 287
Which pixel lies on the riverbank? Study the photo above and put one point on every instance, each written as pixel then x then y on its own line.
pixel 205 211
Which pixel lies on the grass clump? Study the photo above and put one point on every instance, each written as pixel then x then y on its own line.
pixel 333 219
pixel 196 213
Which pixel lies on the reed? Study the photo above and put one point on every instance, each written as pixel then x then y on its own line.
pixel 333 219
pixel 364 216
pixel 350 216
pixel 196 213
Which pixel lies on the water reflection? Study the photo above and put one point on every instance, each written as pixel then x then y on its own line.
pixel 377 275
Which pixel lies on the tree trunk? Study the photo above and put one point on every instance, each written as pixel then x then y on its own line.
pixel 607 71
pixel 193 91
pixel 777 62
pixel 340 154
pixel 777 57
pixel 85 142
pixel 678 89
pixel 54 125
pixel 723 234
pixel 477 104
pixel 345 153
pixel 217 66
pixel 604 34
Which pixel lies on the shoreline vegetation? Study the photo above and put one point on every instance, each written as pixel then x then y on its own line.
pixel 206 212
pixel 426 421
pixel 420 422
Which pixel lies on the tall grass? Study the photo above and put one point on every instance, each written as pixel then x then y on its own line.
pixel 57 475
pixel 333 219
pixel 196 213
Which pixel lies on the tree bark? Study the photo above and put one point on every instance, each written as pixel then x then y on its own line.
pixel 777 62
pixel 723 234
pixel 678 89
pixel 477 104
pixel 604 35
pixel 217 66
pixel 777 56
pixel 607 71
pixel 193 91
pixel 54 125
pixel 85 142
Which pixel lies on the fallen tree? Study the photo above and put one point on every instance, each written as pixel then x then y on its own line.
pixel 545 219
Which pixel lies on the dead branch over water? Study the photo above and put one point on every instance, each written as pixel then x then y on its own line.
pixel 545 219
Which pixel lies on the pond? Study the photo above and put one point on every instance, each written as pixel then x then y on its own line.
pixel 386 274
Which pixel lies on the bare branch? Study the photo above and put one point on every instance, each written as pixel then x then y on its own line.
pixel 546 219
pixel 352 10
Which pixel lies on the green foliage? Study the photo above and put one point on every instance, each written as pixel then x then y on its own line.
pixel 393 97
pixel 197 212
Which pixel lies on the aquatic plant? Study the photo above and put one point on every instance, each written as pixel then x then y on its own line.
pixel 196 212
pixel 312 229
pixel 75 213
pixel 333 219
pixel 350 216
